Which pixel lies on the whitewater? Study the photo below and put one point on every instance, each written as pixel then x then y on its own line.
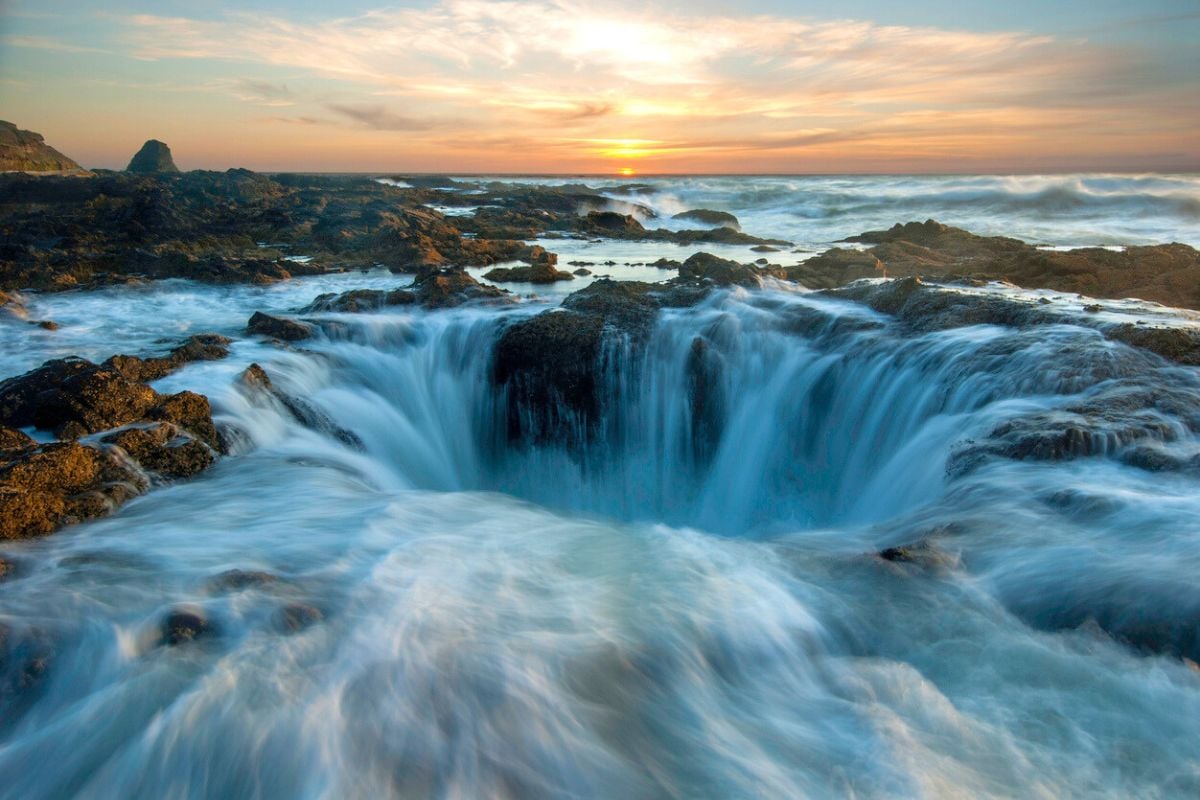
pixel 690 603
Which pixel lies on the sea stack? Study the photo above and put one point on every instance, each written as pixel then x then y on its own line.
pixel 154 157
pixel 26 151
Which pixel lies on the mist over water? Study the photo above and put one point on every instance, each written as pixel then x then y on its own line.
pixel 685 603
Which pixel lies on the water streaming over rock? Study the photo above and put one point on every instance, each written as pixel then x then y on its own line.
pixel 681 598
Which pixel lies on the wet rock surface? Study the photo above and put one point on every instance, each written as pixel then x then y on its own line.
pixel 158 437
pixel 1168 273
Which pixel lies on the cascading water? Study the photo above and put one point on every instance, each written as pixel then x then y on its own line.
pixel 683 601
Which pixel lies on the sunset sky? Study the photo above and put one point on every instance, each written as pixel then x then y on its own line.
pixel 547 86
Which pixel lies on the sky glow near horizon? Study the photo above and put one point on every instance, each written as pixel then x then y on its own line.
pixel 553 86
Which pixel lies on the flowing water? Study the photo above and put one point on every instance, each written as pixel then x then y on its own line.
pixel 687 604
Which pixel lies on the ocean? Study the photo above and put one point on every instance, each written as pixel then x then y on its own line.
pixel 649 613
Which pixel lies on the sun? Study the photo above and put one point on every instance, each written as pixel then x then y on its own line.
pixel 627 172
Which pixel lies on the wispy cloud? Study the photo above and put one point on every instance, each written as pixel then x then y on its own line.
pixel 381 119
pixel 47 43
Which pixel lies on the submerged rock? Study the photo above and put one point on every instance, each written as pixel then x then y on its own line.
pixel 185 624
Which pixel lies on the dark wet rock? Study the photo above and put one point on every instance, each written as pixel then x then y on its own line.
pixel 923 306
pixel 185 624
pixel 835 267
pixel 710 217
pixel 296 617
pixel 154 157
pixel 26 151
pixel 200 347
pixel 764 248
pixel 1162 273
pixel 238 579
pixel 454 287
pixel 359 300
pixel 581 272
pixel 73 397
pixel 665 263
pixel 1112 419
pixel 548 365
pixel 164 449
pixel 722 272
pixel 612 224
pixel 1181 345
pixel 13 441
pixel 256 379
pixel 706 398
pixel 286 330
pixel 59 484
pixel 541 271
pixel 191 412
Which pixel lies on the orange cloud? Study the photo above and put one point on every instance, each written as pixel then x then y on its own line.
pixel 564 86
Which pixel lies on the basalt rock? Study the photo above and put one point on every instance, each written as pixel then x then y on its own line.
pixel 835 267
pixel 256 381
pixel 278 328
pixel 58 484
pixel 710 217
pixel 441 289
pixel 154 157
pixel 723 272
pixel 1168 273
pixel 199 347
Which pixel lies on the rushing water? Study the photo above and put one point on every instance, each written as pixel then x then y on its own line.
pixel 679 607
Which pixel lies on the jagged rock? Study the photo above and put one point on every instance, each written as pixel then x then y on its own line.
pixel 14 441
pixel 73 397
pixel 709 217
pixel 200 347
pixel 58 484
pixel 255 379
pixel 835 267
pixel 1168 273
pixel 722 271
pixel 541 272
pixel 278 328
pixel 164 449
pixel 154 157
pixel 440 289
pixel 26 151
pixel 453 287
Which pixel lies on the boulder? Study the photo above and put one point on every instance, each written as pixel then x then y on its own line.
pixel 58 484
pixel 834 268
pixel 277 327
pixel 709 217
pixel 721 271
pixel 153 158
